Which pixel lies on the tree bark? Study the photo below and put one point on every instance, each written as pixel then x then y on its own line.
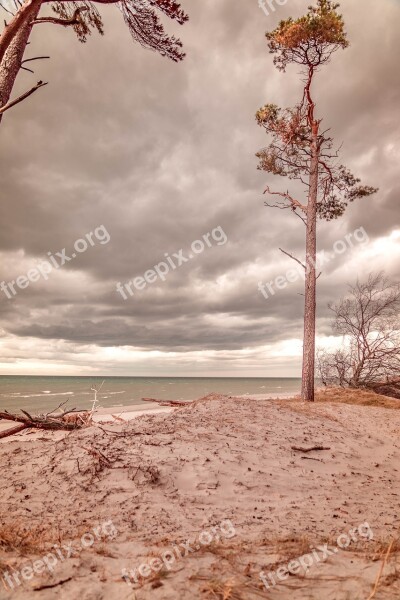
pixel 13 47
pixel 308 369
pixel 13 431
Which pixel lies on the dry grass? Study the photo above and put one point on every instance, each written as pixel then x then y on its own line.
pixel 288 549
pixel 230 587
pixel 15 537
pixel 309 409
pixel 357 397
pixel 25 539
pixel 221 590
pixel 381 546
pixel 103 550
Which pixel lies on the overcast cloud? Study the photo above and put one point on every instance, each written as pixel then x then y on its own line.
pixel 161 154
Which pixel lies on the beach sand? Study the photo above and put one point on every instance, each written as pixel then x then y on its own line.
pixel 220 476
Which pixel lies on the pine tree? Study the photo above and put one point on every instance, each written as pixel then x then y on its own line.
pixel 301 150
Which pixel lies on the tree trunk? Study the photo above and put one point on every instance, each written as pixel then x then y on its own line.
pixel 13 55
pixel 308 370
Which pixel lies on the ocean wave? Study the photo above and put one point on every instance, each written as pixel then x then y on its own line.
pixel 45 394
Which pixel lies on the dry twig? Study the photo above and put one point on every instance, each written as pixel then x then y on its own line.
pixel 300 449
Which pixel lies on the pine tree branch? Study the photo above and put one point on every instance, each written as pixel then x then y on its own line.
pixel 34 58
pixel 293 202
pixel 23 97
pixel 74 20
pixel 294 258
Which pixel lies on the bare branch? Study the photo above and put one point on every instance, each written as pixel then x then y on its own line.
pixel 369 320
pixel 300 217
pixel 293 202
pixel 23 97
pixel 6 9
pixel 30 60
pixel 34 58
pixel 293 257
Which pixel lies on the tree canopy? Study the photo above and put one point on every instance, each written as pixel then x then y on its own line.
pixel 310 42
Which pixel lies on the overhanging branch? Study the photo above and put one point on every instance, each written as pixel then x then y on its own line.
pixel 23 97
pixel 74 20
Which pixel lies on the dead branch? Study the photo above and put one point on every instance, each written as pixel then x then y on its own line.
pixel 26 414
pixel 58 407
pixel 23 97
pixel 46 422
pixel 118 418
pixel 12 431
pixel 293 257
pixel 34 58
pixel 49 586
pixel 293 203
pixel 8 11
pixel 174 403
pixel 118 433
pixel 102 458
pixel 30 60
pixel 300 449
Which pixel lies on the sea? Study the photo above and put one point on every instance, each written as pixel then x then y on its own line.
pixel 42 394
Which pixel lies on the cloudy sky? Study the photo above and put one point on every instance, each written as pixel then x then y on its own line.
pixel 160 154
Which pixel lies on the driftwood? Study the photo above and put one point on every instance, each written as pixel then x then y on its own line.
pixel 300 449
pixel 12 431
pixel 174 403
pixel 65 420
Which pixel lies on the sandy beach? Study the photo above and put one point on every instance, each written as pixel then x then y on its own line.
pixel 216 493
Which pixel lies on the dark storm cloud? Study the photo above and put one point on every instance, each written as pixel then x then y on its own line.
pixel 163 153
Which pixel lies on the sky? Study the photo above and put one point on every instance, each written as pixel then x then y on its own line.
pixel 126 159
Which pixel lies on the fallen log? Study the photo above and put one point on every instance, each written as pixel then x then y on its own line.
pixel 51 422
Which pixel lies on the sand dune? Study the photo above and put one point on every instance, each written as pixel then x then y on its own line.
pixel 220 477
